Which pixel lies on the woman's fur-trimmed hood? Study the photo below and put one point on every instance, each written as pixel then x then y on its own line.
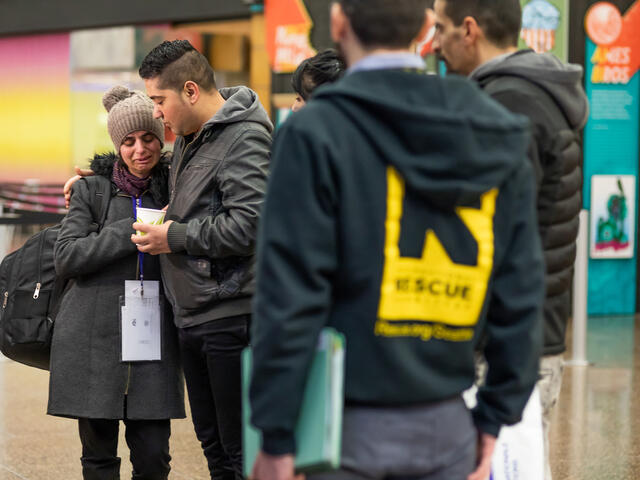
pixel 102 164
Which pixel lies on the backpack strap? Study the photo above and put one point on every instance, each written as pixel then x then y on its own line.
pixel 100 187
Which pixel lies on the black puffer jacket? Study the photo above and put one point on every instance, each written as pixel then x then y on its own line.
pixel 550 94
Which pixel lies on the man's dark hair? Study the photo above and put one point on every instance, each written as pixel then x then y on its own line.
pixel 385 23
pixel 500 20
pixel 176 62
pixel 325 67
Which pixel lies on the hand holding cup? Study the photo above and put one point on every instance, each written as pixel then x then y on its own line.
pixel 149 216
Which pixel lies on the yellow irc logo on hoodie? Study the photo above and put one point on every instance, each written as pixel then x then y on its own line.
pixel 434 288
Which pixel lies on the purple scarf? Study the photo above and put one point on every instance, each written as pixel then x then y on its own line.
pixel 127 182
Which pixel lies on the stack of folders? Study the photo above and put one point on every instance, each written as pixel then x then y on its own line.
pixel 319 429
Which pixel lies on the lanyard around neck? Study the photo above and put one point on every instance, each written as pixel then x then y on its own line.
pixel 137 202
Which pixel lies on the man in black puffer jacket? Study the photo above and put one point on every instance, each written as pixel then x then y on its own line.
pixel 479 39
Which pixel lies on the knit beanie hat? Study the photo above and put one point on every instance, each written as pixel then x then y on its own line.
pixel 130 111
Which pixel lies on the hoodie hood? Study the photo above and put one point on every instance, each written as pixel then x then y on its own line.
pixel 242 104
pixel 563 81
pixel 448 140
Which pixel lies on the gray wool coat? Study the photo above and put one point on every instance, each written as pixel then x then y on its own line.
pixel 87 378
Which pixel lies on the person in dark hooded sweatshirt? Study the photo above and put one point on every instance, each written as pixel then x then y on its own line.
pixel 479 38
pixel 400 210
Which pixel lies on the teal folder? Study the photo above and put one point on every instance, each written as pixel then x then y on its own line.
pixel 319 429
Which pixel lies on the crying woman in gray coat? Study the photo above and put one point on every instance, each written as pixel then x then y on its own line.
pixel 92 378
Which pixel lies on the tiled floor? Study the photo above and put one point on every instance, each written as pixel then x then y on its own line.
pixel 596 429
pixel 35 446
pixel 595 435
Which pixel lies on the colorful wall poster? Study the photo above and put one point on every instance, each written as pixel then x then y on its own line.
pixel 35 112
pixel 611 144
pixel 616 57
pixel 613 202
pixel 545 26
pixel 51 87
pixel 288 26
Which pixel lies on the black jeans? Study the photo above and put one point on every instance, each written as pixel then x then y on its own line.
pixel 148 442
pixel 211 363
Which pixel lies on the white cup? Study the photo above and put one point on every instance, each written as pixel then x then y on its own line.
pixel 149 216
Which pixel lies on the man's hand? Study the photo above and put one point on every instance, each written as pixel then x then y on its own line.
pixel 486 445
pixel 80 172
pixel 269 467
pixel 155 240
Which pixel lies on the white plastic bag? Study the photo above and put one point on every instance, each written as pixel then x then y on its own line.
pixel 519 452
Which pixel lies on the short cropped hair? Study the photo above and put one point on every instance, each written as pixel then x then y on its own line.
pixel 176 62
pixel 385 23
pixel 500 20
pixel 325 67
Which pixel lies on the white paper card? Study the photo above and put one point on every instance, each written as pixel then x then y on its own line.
pixel 141 322
pixel 132 289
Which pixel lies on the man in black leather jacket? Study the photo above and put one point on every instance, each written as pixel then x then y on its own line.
pixel 217 184
pixel 479 39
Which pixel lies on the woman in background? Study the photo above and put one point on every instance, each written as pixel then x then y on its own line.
pixel 325 67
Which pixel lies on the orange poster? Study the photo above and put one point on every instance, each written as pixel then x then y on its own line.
pixel 288 27
pixel 617 55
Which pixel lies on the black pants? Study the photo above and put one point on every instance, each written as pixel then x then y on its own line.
pixel 211 363
pixel 148 442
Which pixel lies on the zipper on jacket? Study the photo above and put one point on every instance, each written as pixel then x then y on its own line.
pixel 36 292
pixel 174 175
pixel 126 388
pixel 6 299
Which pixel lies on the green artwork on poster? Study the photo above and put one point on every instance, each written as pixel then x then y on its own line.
pixel 545 26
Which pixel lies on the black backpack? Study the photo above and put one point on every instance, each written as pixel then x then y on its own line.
pixel 31 292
